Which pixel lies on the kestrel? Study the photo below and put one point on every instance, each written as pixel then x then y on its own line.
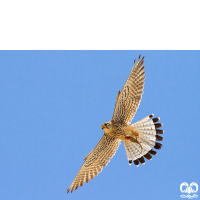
pixel 138 138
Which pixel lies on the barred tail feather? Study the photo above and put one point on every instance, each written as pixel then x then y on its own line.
pixel 148 138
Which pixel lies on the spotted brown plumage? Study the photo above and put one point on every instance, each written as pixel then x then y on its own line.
pixel 129 98
pixel 138 138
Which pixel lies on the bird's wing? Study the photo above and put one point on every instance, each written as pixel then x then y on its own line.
pixel 128 100
pixel 98 158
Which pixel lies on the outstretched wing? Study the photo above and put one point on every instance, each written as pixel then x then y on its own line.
pixel 128 100
pixel 98 158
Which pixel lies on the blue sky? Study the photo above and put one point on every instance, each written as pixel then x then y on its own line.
pixel 52 106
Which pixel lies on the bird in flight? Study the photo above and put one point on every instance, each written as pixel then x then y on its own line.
pixel 138 138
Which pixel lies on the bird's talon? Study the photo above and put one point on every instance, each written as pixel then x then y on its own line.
pixel 136 141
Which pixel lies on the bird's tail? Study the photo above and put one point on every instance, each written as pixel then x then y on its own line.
pixel 149 134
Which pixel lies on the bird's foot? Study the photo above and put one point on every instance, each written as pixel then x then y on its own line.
pixel 136 141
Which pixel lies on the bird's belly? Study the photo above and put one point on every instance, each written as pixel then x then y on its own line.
pixel 131 131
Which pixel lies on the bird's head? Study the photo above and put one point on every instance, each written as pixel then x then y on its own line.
pixel 106 126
